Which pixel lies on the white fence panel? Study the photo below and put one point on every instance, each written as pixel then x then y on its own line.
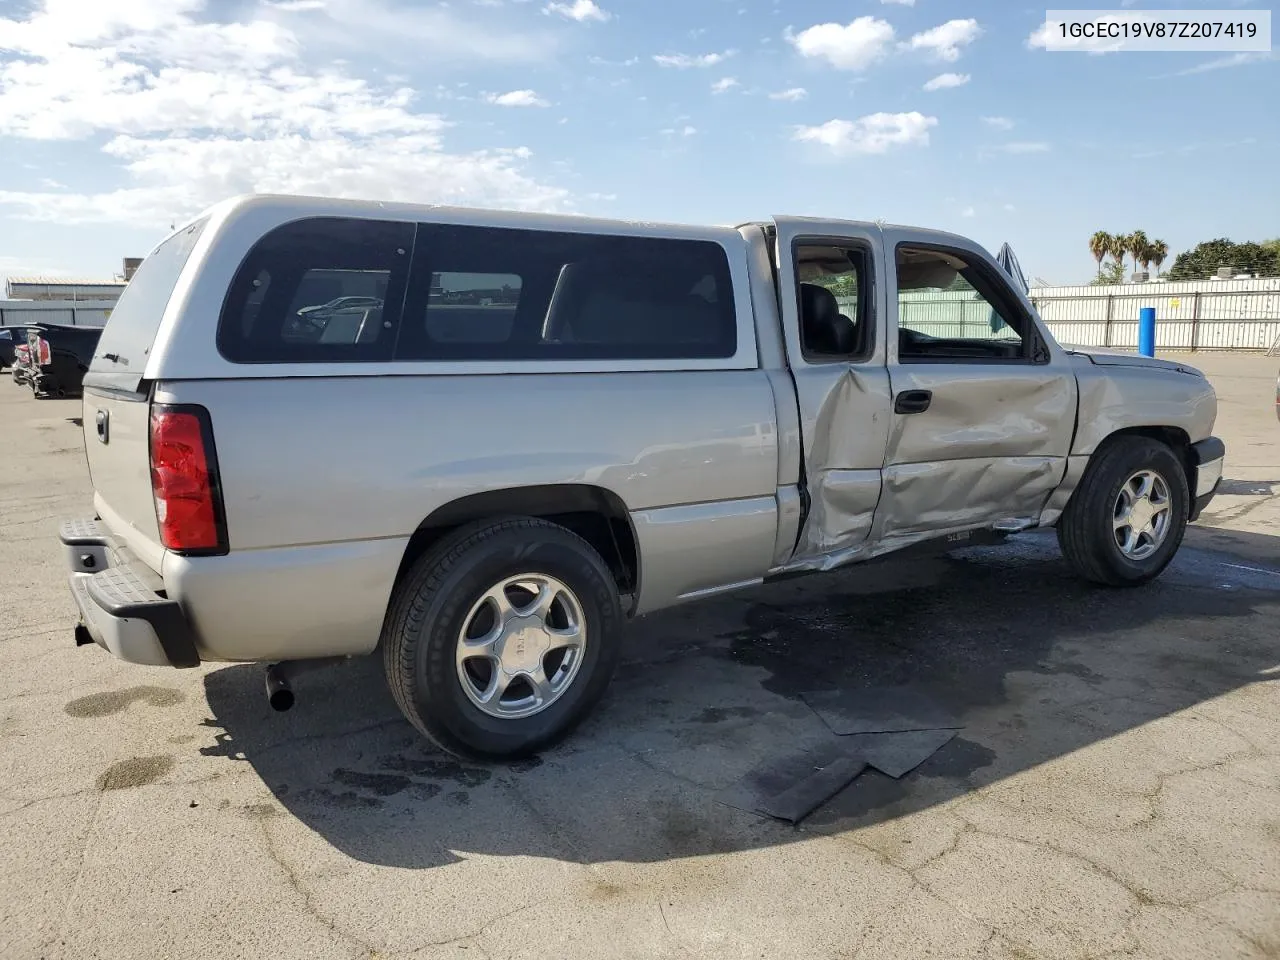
pixel 1079 334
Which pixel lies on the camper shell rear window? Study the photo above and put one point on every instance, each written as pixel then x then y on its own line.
pixel 130 331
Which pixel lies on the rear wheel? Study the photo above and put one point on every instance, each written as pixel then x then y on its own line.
pixel 1126 520
pixel 502 637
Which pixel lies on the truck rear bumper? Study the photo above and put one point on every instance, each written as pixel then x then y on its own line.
pixel 1207 457
pixel 122 603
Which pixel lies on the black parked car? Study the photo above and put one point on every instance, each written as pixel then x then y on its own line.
pixel 8 336
pixel 60 357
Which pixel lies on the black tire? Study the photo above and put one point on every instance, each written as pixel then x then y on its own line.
pixel 1086 531
pixel 433 600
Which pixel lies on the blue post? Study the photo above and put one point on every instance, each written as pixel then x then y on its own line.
pixel 1147 331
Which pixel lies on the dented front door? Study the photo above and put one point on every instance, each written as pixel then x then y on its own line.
pixel 973 441
pixel 844 401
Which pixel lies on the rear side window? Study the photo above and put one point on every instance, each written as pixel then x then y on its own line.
pixel 131 330
pixel 481 293
pixel 321 290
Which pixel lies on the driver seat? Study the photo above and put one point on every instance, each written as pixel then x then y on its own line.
pixel 823 328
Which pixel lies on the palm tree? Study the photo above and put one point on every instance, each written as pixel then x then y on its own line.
pixel 1159 254
pixel 1137 246
pixel 1100 246
pixel 1119 248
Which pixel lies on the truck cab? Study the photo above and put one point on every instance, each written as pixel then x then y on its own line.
pixel 954 408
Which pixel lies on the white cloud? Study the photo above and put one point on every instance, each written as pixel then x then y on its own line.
pixel 724 86
pixel 944 41
pixel 1223 63
pixel 944 81
pixel 968 212
pixel 194 111
pixel 685 131
pixel 517 98
pixel 901 3
pixel 51 184
pixel 1024 146
pixel 79 93
pixel 580 10
pixel 852 46
pixel 11 266
pixel 875 133
pixel 683 61
pixel 296 6
pixel 179 176
pixel 795 93
pixel 378 31
pixel 1000 123
pixel 1009 208
pixel 1040 36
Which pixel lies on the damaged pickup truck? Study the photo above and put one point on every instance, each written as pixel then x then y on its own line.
pixel 520 430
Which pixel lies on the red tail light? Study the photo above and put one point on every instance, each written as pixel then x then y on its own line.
pixel 45 356
pixel 184 480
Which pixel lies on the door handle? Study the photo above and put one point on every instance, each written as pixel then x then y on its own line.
pixel 100 422
pixel 913 401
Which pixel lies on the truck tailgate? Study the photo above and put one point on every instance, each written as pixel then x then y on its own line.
pixel 116 439
pixel 117 399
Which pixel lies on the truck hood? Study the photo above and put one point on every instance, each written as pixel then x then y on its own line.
pixel 1102 357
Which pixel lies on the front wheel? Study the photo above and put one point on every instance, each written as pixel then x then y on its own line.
pixel 1125 521
pixel 502 637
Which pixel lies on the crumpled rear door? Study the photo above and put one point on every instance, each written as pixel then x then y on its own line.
pixel 844 402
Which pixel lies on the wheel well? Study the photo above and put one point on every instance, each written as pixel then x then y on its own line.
pixel 597 515
pixel 1175 438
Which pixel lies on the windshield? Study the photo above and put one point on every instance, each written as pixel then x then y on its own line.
pixel 131 329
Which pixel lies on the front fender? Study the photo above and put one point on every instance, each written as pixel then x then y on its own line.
pixel 1114 398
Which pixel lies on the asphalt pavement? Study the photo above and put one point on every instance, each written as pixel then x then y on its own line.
pixel 1113 790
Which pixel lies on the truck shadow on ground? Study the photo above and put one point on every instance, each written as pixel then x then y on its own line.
pixel 1036 663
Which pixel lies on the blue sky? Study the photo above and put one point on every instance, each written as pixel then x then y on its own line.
pixel 121 117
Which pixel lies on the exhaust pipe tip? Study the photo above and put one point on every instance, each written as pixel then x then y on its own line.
pixel 281 700
pixel 279 692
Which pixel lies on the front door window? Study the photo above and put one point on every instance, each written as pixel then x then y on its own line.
pixel 949 311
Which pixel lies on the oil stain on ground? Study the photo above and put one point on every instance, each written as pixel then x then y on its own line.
pixel 413 777
pixel 134 772
pixel 721 714
pixel 104 704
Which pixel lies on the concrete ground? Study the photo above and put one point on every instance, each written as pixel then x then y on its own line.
pixel 1115 791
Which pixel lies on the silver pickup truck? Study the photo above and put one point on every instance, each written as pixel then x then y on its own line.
pixel 478 442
